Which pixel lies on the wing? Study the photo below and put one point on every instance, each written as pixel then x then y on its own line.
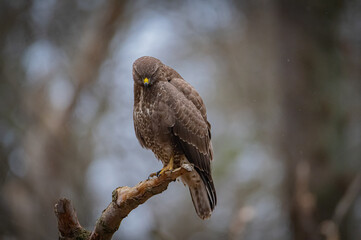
pixel 192 130
pixel 191 94
pixel 189 124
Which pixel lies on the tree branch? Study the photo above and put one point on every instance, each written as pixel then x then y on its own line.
pixel 347 200
pixel 68 223
pixel 93 50
pixel 330 228
pixel 124 200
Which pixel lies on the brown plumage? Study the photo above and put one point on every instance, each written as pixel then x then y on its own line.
pixel 170 119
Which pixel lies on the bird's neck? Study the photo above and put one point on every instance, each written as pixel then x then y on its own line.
pixel 142 93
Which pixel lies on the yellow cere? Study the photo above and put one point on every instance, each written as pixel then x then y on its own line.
pixel 145 80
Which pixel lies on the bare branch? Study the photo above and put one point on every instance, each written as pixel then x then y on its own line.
pixel 124 200
pixel 347 200
pixel 93 50
pixel 330 228
pixel 68 224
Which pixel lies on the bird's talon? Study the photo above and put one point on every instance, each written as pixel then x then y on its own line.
pixel 169 167
pixel 152 175
pixel 163 171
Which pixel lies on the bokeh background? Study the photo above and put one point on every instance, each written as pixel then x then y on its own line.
pixel 281 81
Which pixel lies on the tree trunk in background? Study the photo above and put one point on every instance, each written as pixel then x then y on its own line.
pixel 55 155
pixel 312 124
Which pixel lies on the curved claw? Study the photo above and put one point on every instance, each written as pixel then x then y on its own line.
pixel 169 167
pixel 152 175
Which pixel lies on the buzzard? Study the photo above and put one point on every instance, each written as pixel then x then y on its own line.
pixel 170 119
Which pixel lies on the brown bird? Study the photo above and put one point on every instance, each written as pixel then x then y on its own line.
pixel 170 119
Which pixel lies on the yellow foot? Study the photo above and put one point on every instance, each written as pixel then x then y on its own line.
pixel 169 167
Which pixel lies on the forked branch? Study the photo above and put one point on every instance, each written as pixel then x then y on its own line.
pixel 124 200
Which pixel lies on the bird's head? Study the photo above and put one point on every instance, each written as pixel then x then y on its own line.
pixel 146 71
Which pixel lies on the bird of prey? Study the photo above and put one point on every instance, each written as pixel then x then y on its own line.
pixel 170 119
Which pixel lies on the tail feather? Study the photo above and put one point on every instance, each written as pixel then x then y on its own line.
pixel 202 192
pixel 209 186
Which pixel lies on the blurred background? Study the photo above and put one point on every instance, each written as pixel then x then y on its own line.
pixel 281 82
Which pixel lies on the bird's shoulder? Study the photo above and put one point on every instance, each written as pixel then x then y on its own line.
pixel 169 73
pixel 191 94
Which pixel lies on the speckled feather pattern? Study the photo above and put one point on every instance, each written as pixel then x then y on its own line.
pixel 170 119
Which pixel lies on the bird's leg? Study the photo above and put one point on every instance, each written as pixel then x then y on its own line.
pixel 166 168
pixel 169 167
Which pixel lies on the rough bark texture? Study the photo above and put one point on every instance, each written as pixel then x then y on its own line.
pixel 124 200
pixel 68 223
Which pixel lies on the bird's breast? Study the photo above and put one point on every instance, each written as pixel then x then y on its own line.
pixel 144 114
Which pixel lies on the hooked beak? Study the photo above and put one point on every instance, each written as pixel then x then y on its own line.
pixel 146 82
